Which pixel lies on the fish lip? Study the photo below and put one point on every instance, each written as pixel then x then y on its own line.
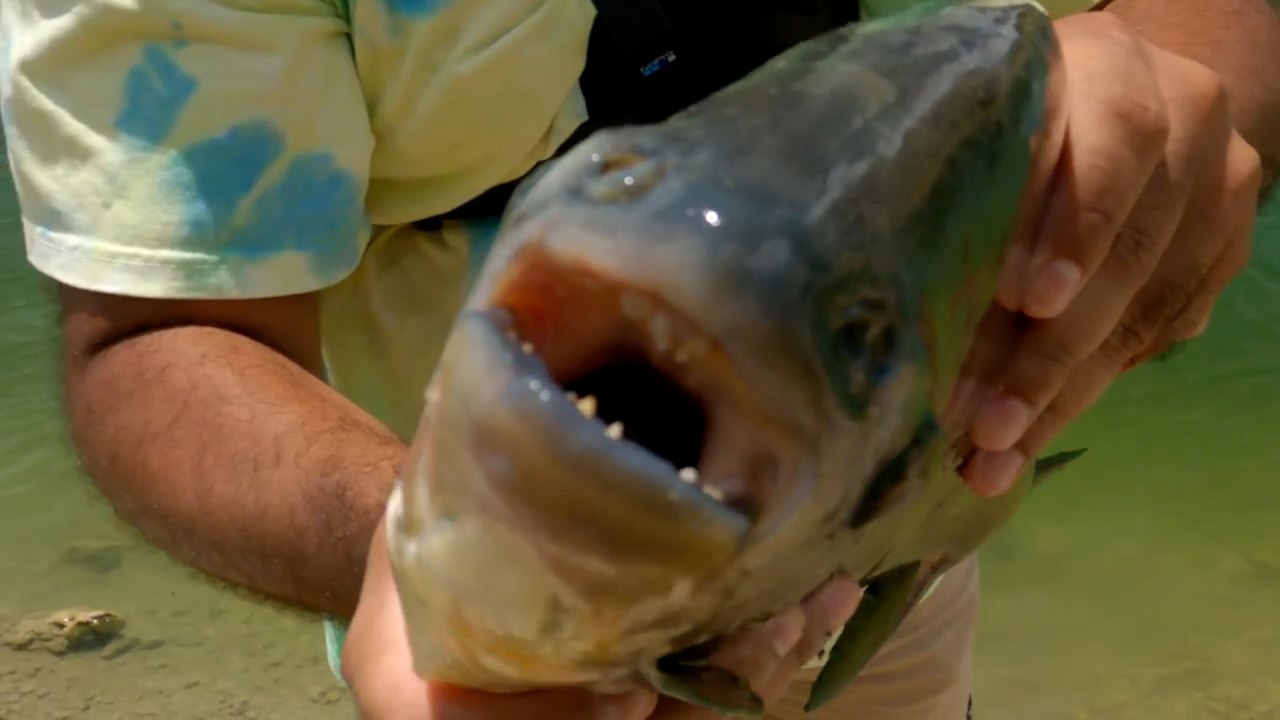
pixel 550 471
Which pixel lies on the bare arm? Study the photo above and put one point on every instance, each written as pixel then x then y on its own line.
pixel 1238 39
pixel 205 424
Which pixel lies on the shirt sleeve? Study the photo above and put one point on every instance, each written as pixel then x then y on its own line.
pixel 186 148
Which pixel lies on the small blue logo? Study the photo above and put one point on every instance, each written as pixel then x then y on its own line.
pixel 658 63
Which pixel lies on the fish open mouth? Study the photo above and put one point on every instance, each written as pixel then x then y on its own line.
pixel 641 375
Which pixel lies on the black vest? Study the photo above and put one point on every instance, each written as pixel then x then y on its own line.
pixel 648 59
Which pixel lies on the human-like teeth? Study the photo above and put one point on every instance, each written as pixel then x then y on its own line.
pixel 667 335
pixel 690 476
pixel 586 405
pixel 526 348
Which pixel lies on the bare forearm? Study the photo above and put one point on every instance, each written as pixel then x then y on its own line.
pixel 1238 39
pixel 236 460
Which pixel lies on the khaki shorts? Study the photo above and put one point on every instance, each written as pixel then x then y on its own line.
pixel 924 672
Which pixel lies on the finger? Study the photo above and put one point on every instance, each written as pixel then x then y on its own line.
pixel 756 654
pixel 826 611
pixel 752 655
pixel 1116 134
pixel 1209 249
pixel 454 703
pixel 993 342
pixel 1049 351
pixel 1046 148
pixel 1244 178
pixel 990 473
pixel 771 656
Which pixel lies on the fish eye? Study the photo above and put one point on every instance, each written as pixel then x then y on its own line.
pixel 623 177
pixel 866 342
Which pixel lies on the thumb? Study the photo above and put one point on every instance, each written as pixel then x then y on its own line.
pixel 449 702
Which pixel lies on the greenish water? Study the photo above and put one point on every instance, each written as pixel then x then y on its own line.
pixel 1143 584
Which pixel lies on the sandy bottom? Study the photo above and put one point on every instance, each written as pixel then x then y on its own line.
pixel 189 650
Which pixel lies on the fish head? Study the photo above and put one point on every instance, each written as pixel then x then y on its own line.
pixel 690 353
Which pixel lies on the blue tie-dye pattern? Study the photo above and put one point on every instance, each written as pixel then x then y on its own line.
pixel 415 8
pixel 316 207
pixel 224 170
pixel 155 92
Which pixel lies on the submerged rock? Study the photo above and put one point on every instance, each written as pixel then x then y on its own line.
pixel 65 631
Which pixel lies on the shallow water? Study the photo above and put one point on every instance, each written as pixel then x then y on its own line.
pixel 1141 584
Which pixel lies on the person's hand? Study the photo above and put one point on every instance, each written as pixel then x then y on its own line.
pixel 771 655
pixel 377 666
pixel 1139 214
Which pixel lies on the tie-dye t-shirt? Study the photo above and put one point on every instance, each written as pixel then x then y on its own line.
pixel 250 148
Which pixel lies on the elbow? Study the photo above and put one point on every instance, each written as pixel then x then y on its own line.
pixel 122 355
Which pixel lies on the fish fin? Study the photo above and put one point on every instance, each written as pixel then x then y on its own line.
pixel 1050 464
pixel 704 685
pixel 885 602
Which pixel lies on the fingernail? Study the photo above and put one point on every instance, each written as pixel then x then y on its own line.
pixel 631 705
pixel 785 631
pixel 992 473
pixel 1053 286
pixel 1000 423
pixel 843 595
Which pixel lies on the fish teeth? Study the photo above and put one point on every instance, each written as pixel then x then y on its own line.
pixel 586 406
pixel 614 431
pixel 690 475
pixel 668 336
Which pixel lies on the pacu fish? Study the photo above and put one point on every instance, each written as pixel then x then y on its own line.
pixel 700 371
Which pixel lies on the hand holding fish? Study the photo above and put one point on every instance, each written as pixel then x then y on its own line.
pixel 1141 213
pixel 376 664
